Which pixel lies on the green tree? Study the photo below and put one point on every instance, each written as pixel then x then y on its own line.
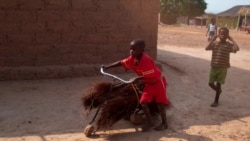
pixel 193 8
pixel 171 9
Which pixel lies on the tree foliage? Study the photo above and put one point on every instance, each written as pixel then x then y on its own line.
pixel 190 8
pixel 194 8
pixel 171 8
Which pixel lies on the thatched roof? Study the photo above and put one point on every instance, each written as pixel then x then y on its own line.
pixel 232 12
pixel 244 11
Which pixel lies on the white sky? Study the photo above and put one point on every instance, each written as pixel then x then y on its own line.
pixel 217 6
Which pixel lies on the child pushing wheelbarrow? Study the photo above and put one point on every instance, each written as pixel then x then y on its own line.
pixel 120 100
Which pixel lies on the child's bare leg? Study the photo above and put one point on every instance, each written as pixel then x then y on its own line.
pixel 212 86
pixel 164 124
pixel 218 88
pixel 217 96
pixel 149 123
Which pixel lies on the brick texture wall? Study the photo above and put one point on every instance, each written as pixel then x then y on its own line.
pixel 64 38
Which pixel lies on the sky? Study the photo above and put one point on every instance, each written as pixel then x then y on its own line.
pixel 217 6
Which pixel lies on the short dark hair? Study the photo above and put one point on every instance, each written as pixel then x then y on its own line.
pixel 225 29
pixel 138 42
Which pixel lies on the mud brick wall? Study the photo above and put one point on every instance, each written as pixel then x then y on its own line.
pixel 64 38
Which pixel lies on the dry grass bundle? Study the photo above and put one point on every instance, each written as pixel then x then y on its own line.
pixel 115 109
pixel 116 101
pixel 95 95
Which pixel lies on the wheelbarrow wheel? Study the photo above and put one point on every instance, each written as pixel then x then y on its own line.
pixel 89 130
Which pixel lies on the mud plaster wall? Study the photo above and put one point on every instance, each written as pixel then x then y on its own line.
pixel 65 38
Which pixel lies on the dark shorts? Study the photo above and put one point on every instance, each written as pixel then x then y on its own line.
pixel 217 75
pixel 211 35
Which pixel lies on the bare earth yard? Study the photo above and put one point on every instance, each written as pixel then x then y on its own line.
pixel 50 110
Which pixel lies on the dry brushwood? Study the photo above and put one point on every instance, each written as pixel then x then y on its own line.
pixel 97 94
pixel 115 101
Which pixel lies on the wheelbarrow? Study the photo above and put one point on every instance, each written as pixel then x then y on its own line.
pixel 113 102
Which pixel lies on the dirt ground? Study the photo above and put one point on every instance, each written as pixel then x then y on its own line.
pixel 50 110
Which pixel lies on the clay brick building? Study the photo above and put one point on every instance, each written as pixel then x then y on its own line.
pixel 64 38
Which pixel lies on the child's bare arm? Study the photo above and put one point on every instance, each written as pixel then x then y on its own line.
pixel 207 31
pixel 209 46
pixel 115 64
pixel 235 45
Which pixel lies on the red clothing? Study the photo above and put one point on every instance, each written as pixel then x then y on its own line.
pixel 155 84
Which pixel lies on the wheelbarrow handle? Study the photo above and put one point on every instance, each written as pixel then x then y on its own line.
pixel 118 78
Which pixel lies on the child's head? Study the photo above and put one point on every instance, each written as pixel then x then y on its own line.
pixel 137 47
pixel 213 20
pixel 223 33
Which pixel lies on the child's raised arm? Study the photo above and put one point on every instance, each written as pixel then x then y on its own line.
pixel 235 45
pixel 209 46
pixel 115 64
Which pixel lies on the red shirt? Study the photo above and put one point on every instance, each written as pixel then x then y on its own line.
pixel 145 67
pixel 155 84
